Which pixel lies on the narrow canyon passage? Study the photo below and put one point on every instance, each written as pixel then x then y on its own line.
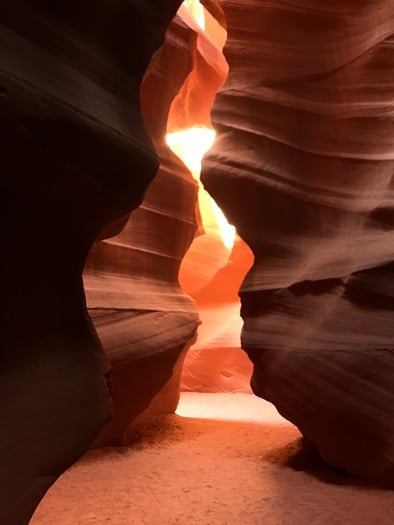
pixel 217 260
pixel 199 205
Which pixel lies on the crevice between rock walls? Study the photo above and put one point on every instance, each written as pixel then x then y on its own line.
pixel 143 317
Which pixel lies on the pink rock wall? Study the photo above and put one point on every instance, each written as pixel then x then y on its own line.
pixel 303 166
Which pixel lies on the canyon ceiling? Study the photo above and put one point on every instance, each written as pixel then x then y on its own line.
pixel 96 325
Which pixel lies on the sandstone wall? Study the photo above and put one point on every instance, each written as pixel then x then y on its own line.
pixel 303 166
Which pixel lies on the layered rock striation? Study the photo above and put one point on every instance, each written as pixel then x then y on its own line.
pixel 143 317
pixel 303 166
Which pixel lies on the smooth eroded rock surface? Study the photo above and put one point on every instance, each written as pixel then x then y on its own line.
pixel 303 166
pixel 144 318
pixel 74 158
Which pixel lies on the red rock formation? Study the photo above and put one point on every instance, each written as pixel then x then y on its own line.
pixel 74 157
pixel 303 166
pixel 144 319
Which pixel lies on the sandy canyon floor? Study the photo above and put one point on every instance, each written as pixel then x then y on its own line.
pixel 224 459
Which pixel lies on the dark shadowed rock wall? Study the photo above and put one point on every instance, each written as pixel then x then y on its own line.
pixel 74 157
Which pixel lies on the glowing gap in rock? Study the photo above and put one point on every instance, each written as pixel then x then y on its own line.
pixel 224 407
pixel 190 145
pixel 227 230
pixel 197 10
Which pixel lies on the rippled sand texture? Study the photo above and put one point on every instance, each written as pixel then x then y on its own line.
pixel 232 461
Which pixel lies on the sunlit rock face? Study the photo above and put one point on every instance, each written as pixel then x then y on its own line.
pixel 303 166
pixel 75 157
pixel 217 260
pixel 144 319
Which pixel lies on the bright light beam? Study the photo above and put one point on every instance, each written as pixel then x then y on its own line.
pixel 227 230
pixel 197 10
pixel 190 145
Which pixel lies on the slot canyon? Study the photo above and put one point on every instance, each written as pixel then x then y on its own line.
pixel 199 221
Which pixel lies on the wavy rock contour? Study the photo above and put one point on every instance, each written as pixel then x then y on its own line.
pixel 303 166
pixel 75 157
